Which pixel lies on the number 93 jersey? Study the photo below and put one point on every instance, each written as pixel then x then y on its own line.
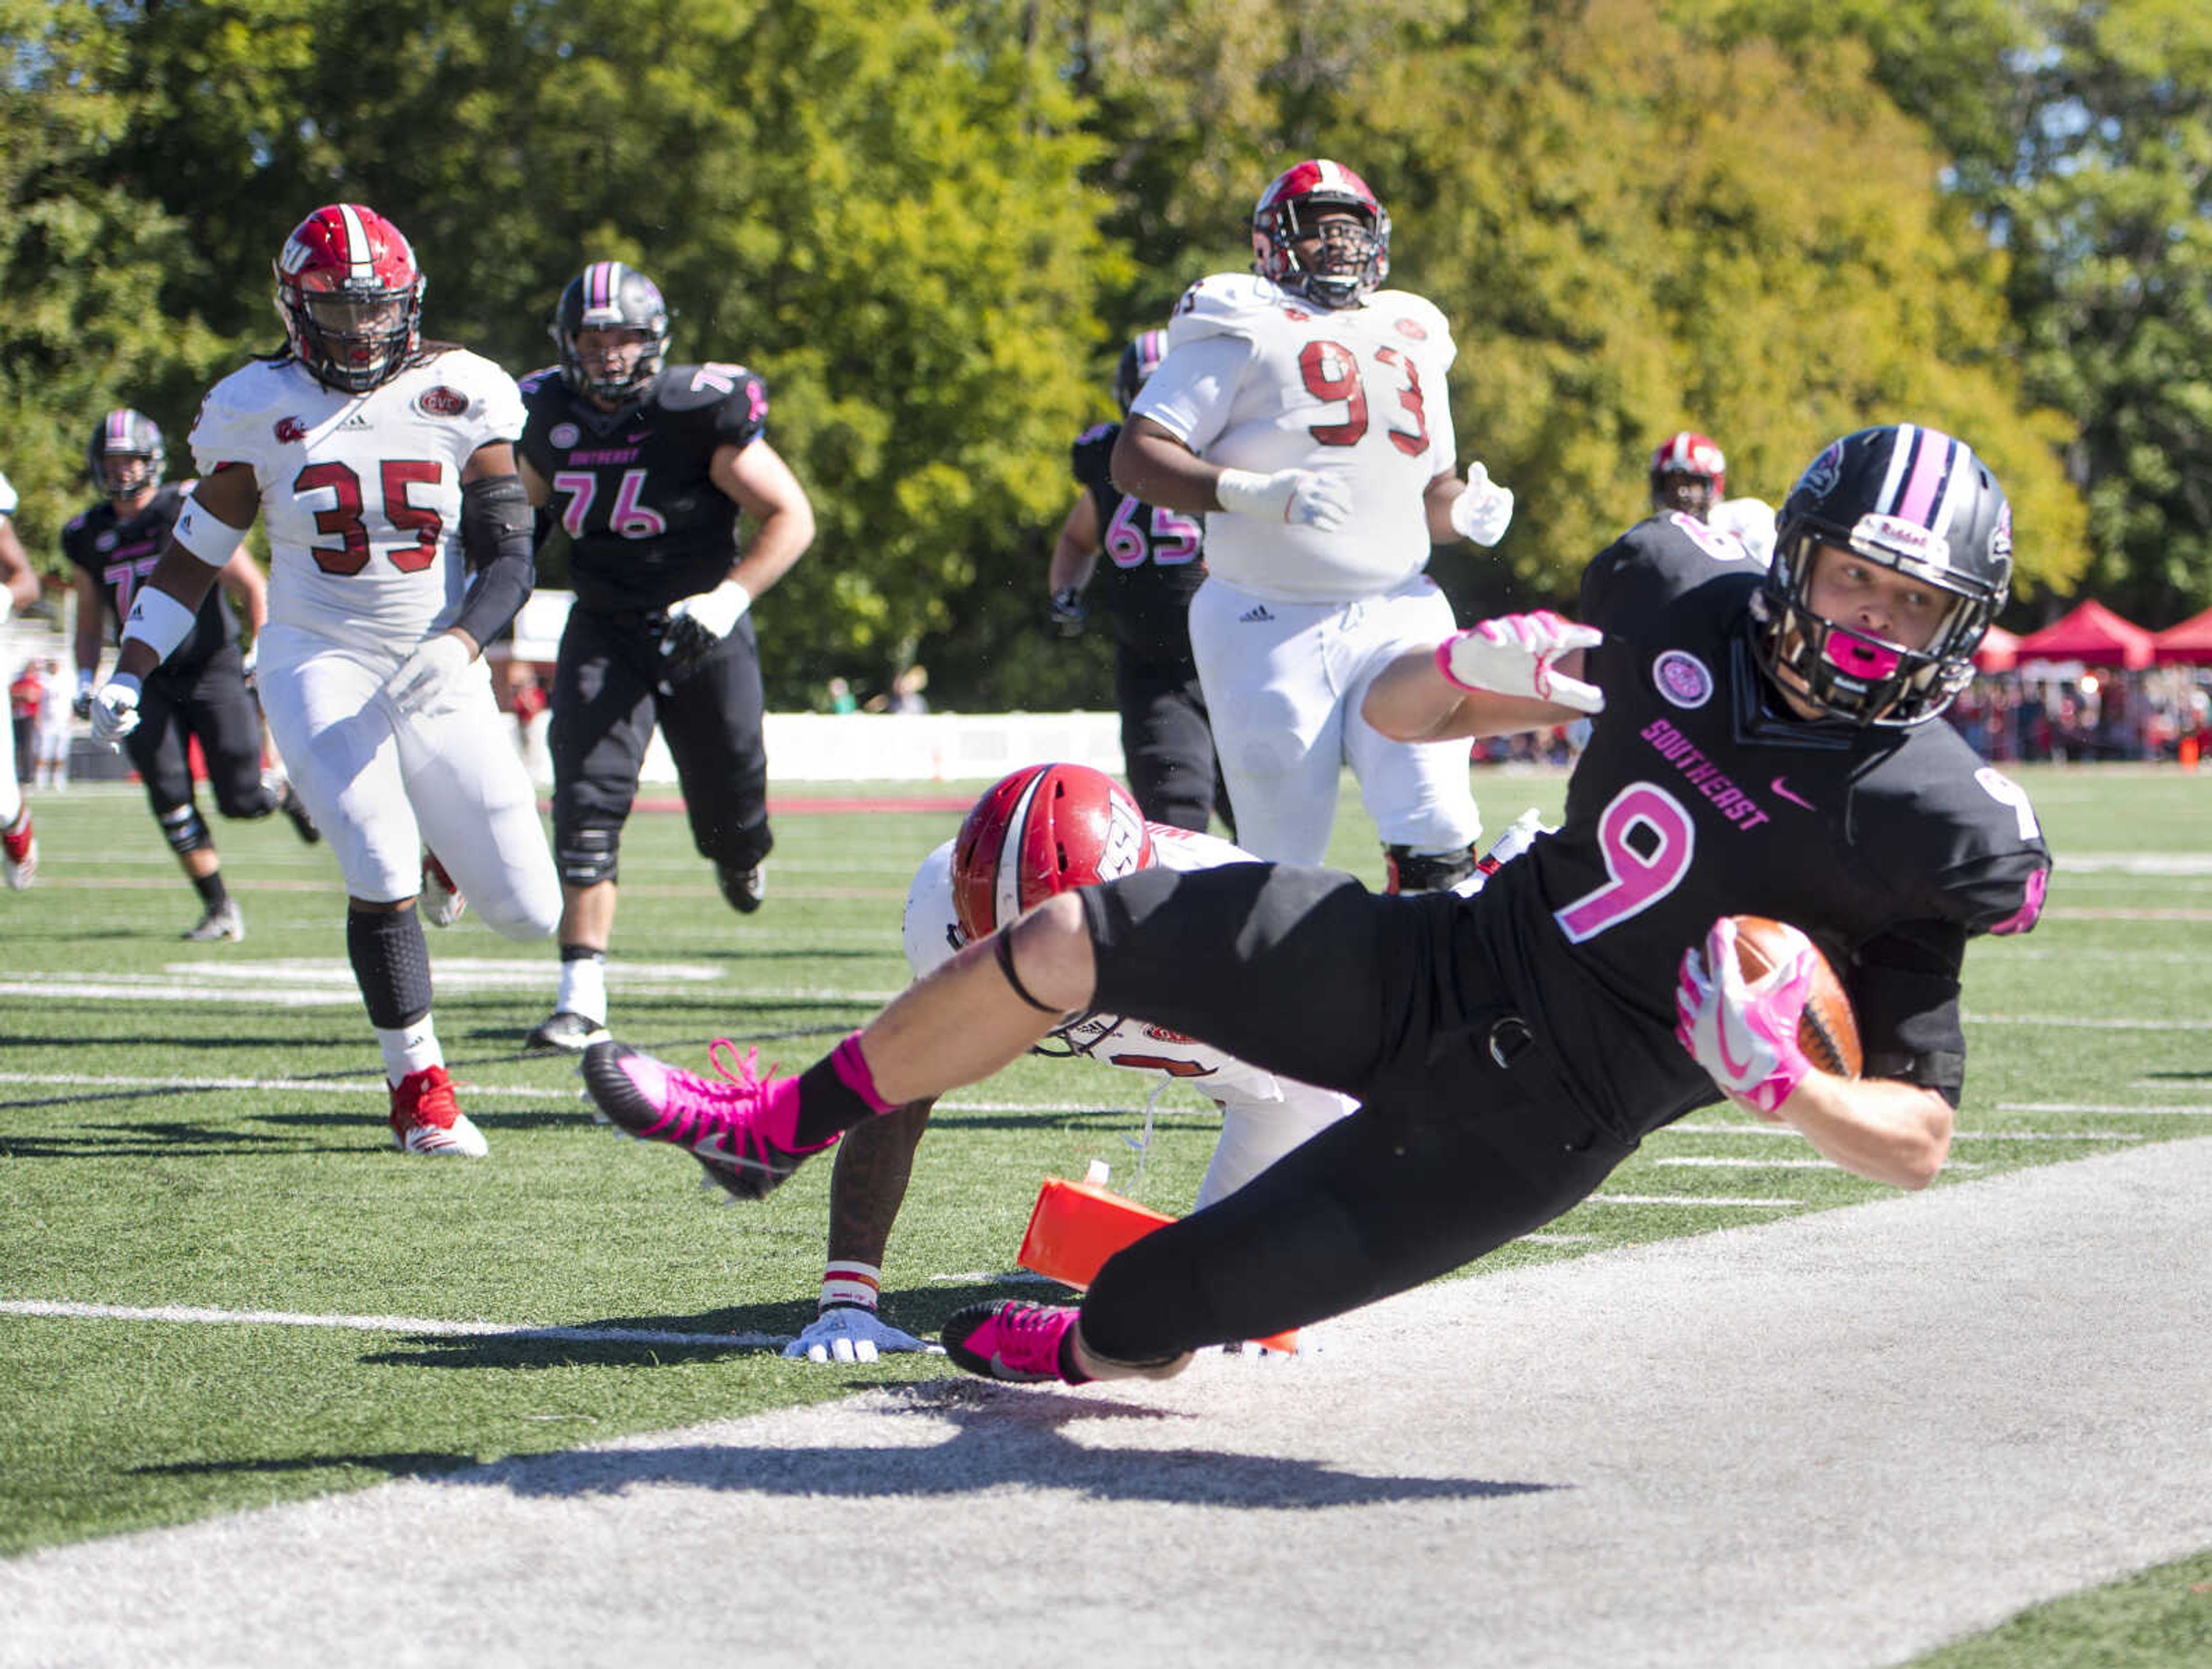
pixel 361 493
pixel 1257 378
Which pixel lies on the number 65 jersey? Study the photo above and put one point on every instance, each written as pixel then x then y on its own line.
pixel 1257 378
pixel 361 493
pixel 1700 795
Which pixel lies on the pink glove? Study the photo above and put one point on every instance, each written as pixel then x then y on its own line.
pixel 1515 655
pixel 1745 1032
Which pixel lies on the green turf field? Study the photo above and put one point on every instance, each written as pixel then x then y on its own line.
pixel 200 1128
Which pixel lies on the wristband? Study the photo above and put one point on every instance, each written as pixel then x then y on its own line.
pixel 206 535
pixel 158 621
pixel 849 1282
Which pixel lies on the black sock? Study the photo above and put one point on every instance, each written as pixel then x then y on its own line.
pixel 827 1105
pixel 212 892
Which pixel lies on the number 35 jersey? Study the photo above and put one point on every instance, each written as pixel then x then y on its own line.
pixel 1257 378
pixel 633 486
pixel 1698 797
pixel 361 493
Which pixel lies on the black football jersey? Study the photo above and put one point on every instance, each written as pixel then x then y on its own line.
pixel 1699 795
pixel 1152 557
pixel 648 524
pixel 121 553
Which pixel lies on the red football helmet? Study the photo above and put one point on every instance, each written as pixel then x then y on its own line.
pixel 1688 473
pixel 1042 829
pixel 1353 261
pixel 351 297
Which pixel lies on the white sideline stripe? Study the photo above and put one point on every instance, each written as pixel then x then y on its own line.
pixel 451 970
pixel 2079 1024
pixel 2135 863
pixel 330 1086
pixel 391 1324
pixel 1956 1135
pixel 1714 1163
pixel 2105 1107
pixel 1689 1199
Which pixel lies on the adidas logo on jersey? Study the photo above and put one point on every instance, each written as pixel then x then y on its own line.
pixel 1255 614
pixel 356 419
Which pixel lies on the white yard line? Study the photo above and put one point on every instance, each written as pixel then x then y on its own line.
pixel 1775 1446
pixel 385 1324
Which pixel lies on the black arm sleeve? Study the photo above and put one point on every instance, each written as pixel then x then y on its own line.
pixel 495 538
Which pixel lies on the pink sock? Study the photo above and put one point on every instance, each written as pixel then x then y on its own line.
pixel 852 1071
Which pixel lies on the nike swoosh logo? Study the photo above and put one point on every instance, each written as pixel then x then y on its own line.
pixel 1777 785
pixel 1736 1070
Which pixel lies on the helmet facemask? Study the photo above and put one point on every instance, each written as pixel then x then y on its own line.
pixel 1850 674
pixel 353 336
pixel 1349 263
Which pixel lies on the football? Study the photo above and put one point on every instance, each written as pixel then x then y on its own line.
pixel 1829 1033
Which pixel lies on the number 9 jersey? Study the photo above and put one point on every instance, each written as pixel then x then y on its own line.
pixel 361 493
pixel 1257 378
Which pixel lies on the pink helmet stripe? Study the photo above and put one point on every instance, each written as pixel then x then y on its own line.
pixel 599 284
pixel 119 430
pixel 1929 464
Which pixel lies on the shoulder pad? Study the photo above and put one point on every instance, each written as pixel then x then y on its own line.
pixel 237 417
pixel 707 386
pixel 1651 564
pixel 1225 304
pixel 531 382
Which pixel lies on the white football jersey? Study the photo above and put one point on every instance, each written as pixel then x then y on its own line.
pixel 932 934
pixel 1358 393
pixel 7 497
pixel 361 493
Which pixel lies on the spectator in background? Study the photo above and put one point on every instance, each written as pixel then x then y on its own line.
pixel 1689 476
pixel 19 589
pixel 905 694
pixel 52 737
pixel 841 696
pixel 26 692
pixel 1156 566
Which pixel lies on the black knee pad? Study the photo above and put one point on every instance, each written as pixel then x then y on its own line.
pixel 185 830
pixel 588 856
pixel 391 964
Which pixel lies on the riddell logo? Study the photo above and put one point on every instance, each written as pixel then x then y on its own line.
pixel 442 401
pixel 289 429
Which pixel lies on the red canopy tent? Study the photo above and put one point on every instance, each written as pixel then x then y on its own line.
pixel 1999 652
pixel 2189 644
pixel 2092 633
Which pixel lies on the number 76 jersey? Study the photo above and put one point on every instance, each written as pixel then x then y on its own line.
pixel 1257 378
pixel 361 493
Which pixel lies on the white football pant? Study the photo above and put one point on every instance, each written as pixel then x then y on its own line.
pixel 1283 684
pixel 381 787
pixel 1255 1134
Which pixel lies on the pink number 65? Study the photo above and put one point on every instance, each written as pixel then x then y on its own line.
pixel 1638 880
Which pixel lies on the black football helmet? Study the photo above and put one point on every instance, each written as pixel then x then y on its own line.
pixel 1139 361
pixel 608 295
pixel 1912 499
pixel 125 456
pixel 1352 262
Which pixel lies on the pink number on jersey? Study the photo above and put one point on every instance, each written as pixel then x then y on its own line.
pixel 1638 880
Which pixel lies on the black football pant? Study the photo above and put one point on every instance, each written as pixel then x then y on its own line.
pixel 1465 1137
pixel 1167 742
pixel 611 687
pixel 211 703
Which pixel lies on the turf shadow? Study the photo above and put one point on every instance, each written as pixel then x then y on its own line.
pixel 1001 1437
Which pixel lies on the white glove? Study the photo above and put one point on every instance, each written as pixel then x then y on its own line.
pixel 422 677
pixel 115 710
pixel 698 623
pixel 1514 655
pixel 1484 509
pixel 1307 497
pixel 852 1333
